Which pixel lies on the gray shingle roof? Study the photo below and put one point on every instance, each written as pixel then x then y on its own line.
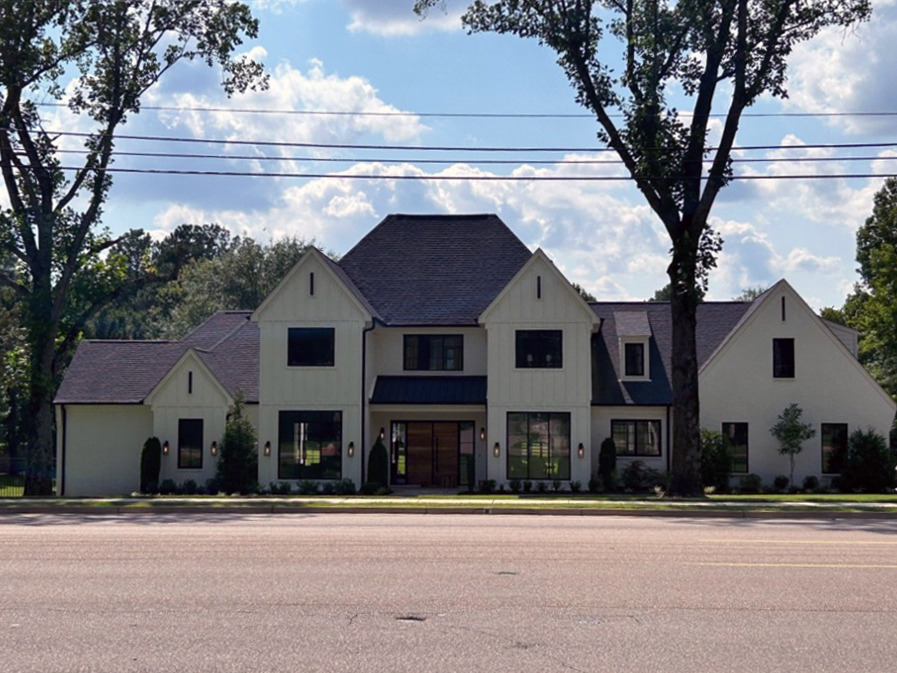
pixel 716 320
pixel 125 372
pixel 434 269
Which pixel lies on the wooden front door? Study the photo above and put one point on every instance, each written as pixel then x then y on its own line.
pixel 432 453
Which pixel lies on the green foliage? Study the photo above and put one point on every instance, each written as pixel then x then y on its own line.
pixel 378 465
pixel 280 488
pixel 811 483
pixel 780 483
pixel 487 486
pixel 237 470
pixel 638 477
pixel 869 465
pixel 308 487
pixel 750 483
pixel 344 487
pixel 607 463
pixel 150 465
pixel 514 485
pixel 168 487
pixel 791 434
pixel 575 486
pixel 527 486
pixel 716 460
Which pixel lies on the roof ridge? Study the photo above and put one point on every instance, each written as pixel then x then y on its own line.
pixel 232 332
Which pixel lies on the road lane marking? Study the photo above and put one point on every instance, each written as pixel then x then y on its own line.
pixel 841 566
pixel 804 542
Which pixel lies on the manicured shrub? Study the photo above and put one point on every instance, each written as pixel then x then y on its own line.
pixel 308 487
pixel 328 488
pixel 378 465
pixel 487 486
pixel 237 470
pixel 594 485
pixel 541 486
pixel 168 487
pixel 575 486
pixel 344 487
pixel 280 488
pixel 514 485
pixel 555 484
pixel 716 460
pixel 750 483
pixel 638 477
pixel 607 464
pixel 811 483
pixel 527 486
pixel 780 483
pixel 189 487
pixel 150 465
pixel 212 486
pixel 869 465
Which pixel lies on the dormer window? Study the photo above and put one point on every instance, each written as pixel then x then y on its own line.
pixel 634 359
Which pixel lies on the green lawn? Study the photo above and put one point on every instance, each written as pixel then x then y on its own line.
pixel 12 487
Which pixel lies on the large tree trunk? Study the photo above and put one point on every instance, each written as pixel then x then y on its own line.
pixel 38 423
pixel 686 450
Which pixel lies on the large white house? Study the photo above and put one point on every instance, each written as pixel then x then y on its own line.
pixel 472 357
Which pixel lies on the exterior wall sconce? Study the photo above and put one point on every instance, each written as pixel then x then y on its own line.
pixel 214 449
pixel 496 450
pixel 267 449
pixel 165 448
pixel 482 434
pixel 581 451
pixel 350 450
pixel 382 434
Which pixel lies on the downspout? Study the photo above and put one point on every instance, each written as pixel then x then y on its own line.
pixel 364 363
pixel 669 456
pixel 61 467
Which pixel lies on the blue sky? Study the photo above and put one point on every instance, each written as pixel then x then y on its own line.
pixel 376 56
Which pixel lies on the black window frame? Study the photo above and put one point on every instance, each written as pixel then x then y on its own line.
pixel 556 460
pixel 641 360
pixel 835 454
pixel 731 431
pixel 311 347
pixel 190 443
pixel 783 358
pixel 545 346
pixel 291 463
pixel 433 352
pixel 635 423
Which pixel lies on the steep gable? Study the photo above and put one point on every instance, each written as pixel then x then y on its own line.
pixel 434 269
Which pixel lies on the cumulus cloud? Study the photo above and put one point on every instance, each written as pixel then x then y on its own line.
pixel 391 18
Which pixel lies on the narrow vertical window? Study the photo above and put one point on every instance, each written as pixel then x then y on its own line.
pixel 189 383
pixel 783 309
pixel 311 284
pixel 538 287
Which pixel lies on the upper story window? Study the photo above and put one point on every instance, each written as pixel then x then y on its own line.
pixel 310 347
pixel 539 349
pixel 434 352
pixel 783 358
pixel 635 359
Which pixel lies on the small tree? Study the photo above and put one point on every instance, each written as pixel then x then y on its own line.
pixel 150 465
pixel 607 463
pixel 791 434
pixel 716 460
pixel 238 461
pixel 869 465
pixel 378 465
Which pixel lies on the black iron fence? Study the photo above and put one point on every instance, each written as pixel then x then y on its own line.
pixel 12 477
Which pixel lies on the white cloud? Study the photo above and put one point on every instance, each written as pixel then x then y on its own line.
pixel 391 18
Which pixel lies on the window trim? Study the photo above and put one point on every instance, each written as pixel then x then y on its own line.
pixel 747 445
pixel 430 337
pixel 778 363
pixel 822 438
pixel 520 362
pixel 646 366
pixel 181 423
pixel 636 421
pixel 332 359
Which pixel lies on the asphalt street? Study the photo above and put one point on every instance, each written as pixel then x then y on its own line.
pixel 371 592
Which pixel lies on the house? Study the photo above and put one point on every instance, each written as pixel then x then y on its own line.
pixel 471 357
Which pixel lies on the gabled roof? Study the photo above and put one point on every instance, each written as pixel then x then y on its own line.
pixel 434 269
pixel 126 372
pixel 715 321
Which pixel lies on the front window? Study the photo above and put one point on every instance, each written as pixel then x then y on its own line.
pixel 636 438
pixel 539 349
pixel 834 447
pixel 737 434
pixel 189 443
pixel 783 358
pixel 310 347
pixel 310 445
pixel 434 352
pixel 538 445
pixel 634 359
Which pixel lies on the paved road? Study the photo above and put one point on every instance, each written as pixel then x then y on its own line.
pixel 335 592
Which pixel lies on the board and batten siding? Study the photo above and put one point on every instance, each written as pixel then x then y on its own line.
pixel 102 447
pixel 539 298
pixel 829 384
pixel 300 302
pixel 386 351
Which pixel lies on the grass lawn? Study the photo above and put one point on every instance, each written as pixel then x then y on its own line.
pixel 12 487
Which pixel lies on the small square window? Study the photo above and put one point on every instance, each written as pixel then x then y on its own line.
pixel 783 358
pixel 310 347
pixel 539 349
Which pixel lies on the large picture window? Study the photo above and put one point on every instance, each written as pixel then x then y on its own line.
pixel 783 358
pixel 310 445
pixel 636 438
pixel 539 349
pixel 434 352
pixel 310 347
pixel 834 447
pixel 538 445
pixel 737 434
pixel 189 443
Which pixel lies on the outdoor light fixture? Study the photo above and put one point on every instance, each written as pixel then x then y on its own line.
pixel 581 451
pixel 496 450
pixel 214 449
pixel 267 449
pixel 382 433
pixel 482 434
pixel 165 448
pixel 350 450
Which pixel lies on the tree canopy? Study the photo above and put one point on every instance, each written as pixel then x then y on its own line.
pixel 98 58
pixel 653 72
